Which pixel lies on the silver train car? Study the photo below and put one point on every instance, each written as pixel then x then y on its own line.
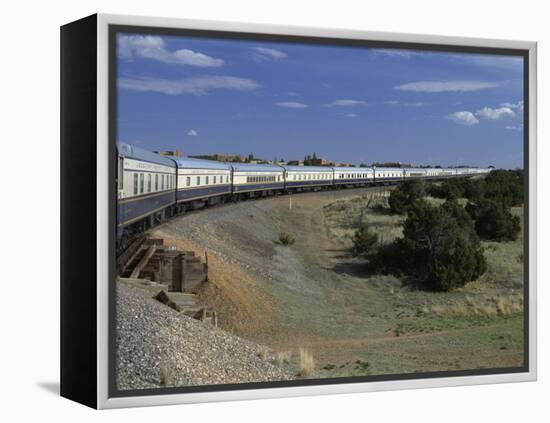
pixel 152 187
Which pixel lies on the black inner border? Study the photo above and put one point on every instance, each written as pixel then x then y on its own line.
pixel 113 104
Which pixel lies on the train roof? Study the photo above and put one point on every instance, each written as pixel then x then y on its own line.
pixel 133 152
pixel 350 168
pixel 249 167
pixel 390 169
pixel 190 163
pixel 308 168
pixel 415 169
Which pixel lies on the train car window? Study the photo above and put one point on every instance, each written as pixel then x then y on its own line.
pixel 141 183
pixel 214 181
pixel 162 182
pixel 135 183
pixel 207 180
pixel 156 182
pixel 188 181
pixel 198 180
pixel 149 182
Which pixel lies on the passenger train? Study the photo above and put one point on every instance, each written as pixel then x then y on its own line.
pixel 152 187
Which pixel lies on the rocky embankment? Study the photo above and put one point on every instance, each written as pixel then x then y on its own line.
pixel 157 346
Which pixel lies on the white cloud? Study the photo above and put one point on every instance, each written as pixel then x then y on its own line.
pixel 263 53
pixel 352 115
pixel 292 105
pixel 292 94
pixel 515 106
pixel 495 114
pixel 490 60
pixel 404 54
pixel 417 104
pixel 463 118
pixel 392 102
pixel 445 86
pixel 514 127
pixel 346 103
pixel 192 133
pixel 197 86
pixel 153 47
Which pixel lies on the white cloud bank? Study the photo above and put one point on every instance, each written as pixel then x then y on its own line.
pixel 192 133
pixel 263 53
pixel 514 127
pixel 292 105
pixel 445 86
pixel 197 86
pixel 463 118
pixel 404 54
pixel 352 115
pixel 495 114
pixel 153 47
pixel 345 103
pixel 515 106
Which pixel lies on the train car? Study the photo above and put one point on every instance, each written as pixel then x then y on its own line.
pixel 414 172
pixel 447 173
pixel 298 178
pixel 252 180
pixel 202 182
pixel 434 173
pixel 386 175
pixel 146 186
pixel 462 171
pixel 352 176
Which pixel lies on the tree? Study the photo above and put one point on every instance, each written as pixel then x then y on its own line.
pixel 404 196
pixel 439 247
pixel 493 221
pixel 364 240
pixel 505 187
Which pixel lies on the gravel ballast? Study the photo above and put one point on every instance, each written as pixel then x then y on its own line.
pixel 158 347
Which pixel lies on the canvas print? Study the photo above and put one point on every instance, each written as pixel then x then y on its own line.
pixel 292 210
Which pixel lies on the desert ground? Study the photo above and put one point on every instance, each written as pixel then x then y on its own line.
pixel 315 296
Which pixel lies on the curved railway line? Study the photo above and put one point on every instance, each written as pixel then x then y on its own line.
pixel 152 188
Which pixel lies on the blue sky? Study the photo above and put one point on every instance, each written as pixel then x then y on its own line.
pixel 349 104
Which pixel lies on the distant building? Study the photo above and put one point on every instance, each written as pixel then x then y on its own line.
pixel 175 153
pixel 295 163
pixel 321 162
pixel 221 157
pixel 345 164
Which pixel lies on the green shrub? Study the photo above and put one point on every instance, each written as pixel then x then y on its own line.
pixel 450 189
pixel 439 249
pixel 493 221
pixel 505 187
pixel 444 252
pixel 364 241
pixel 286 238
pixel 403 197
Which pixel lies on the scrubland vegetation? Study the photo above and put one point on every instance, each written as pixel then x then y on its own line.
pixel 441 245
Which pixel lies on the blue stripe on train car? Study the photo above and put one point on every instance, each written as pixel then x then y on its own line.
pixel 133 210
pixel 394 178
pixel 308 183
pixel 257 187
pixel 196 193
pixel 352 181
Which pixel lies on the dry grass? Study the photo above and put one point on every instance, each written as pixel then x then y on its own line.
pixel 306 364
pixel 283 357
pixel 263 353
pixel 504 305
pixel 166 376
